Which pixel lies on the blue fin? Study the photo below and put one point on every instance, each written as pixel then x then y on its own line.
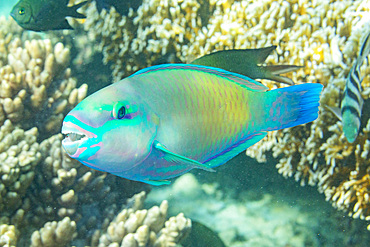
pixel 241 80
pixel 235 149
pixel 292 106
pixel 176 158
pixel 156 182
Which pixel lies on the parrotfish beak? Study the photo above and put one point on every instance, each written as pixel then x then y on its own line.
pixel 75 137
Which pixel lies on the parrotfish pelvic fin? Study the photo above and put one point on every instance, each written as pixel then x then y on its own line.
pixel 176 158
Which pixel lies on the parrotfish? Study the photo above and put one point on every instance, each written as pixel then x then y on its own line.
pixel 165 120
pixel 44 15
pixel 248 62
pixel 352 102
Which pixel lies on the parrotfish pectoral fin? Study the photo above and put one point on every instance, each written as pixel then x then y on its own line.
pixel 156 182
pixel 176 158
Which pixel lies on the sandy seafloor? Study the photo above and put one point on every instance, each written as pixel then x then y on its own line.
pixel 250 205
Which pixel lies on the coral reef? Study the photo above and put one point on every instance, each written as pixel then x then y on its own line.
pixel 323 36
pixel 54 234
pixel 42 190
pixel 135 227
pixel 8 235
pixel 37 88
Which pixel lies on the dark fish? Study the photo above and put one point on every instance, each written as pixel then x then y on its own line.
pixel 44 15
pixel 247 62
pixel 201 236
pixel 121 6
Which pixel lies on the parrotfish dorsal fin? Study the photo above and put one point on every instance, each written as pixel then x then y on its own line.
pixel 242 80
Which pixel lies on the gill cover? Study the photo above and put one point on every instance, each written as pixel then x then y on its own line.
pixel 128 138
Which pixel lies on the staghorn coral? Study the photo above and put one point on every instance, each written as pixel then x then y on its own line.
pixel 323 36
pixel 135 227
pixel 19 155
pixel 55 234
pixel 8 235
pixel 38 182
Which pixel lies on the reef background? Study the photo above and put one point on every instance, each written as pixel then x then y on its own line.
pixel 47 199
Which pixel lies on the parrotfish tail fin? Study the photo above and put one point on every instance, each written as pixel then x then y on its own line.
pixel 72 11
pixel 292 106
pixel 272 72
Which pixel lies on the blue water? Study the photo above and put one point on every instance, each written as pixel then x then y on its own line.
pixel 6 6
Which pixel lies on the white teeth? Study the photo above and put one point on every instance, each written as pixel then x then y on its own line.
pixel 75 137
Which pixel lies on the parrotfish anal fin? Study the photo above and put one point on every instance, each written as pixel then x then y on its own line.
pixel 239 79
pixel 235 149
pixel 176 158
pixel 157 182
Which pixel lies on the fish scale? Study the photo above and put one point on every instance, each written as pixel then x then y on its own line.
pixel 204 112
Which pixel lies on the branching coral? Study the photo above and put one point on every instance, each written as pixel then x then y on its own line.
pixel 134 227
pixel 55 234
pixel 8 235
pixel 36 84
pixel 39 184
pixel 323 36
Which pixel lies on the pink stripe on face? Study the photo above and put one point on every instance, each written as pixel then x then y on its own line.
pixel 79 151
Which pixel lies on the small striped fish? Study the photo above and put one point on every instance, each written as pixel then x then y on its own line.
pixel 352 102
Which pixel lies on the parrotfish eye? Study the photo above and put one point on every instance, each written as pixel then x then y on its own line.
pixel 119 111
pixel 21 11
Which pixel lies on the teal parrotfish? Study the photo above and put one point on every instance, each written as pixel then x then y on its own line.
pixel 44 15
pixel 165 120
